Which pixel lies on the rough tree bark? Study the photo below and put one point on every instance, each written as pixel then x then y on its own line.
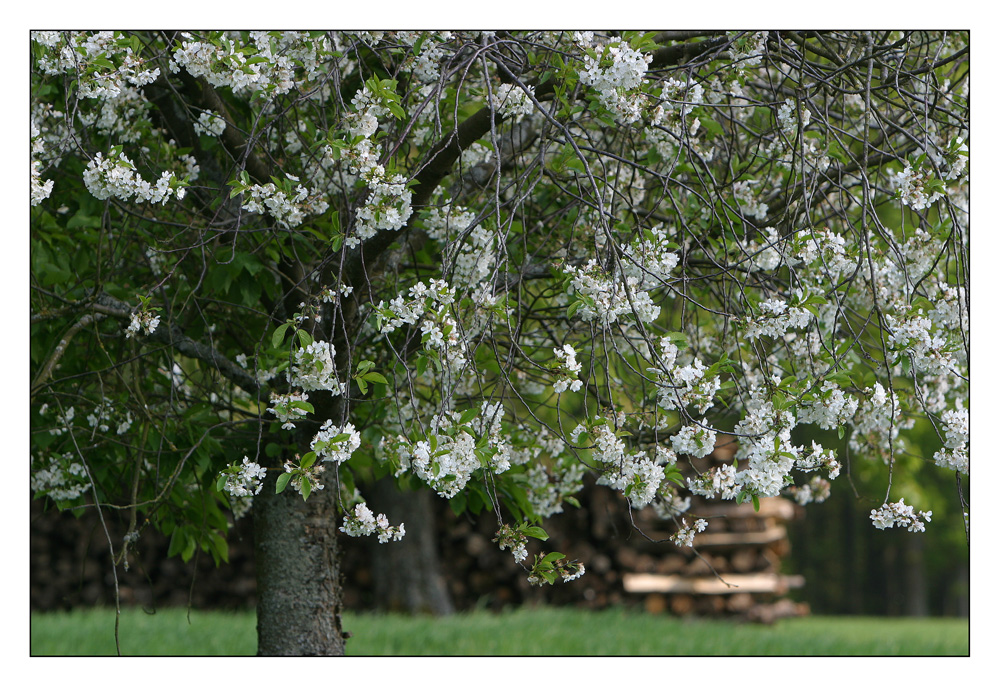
pixel 298 573
pixel 407 574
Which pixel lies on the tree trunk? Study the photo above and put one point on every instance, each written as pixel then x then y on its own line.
pixel 298 572
pixel 407 574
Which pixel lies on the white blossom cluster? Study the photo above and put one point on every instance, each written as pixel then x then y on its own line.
pixel 955 454
pixel 681 386
pixel 431 306
pixel 568 368
pixel 766 444
pixel 893 514
pixel 674 122
pixel 694 441
pixel 509 538
pixel 877 421
pixel 285 409
pixel 313 369
pixel 912 334
pixel 546 488
pixel 116 177
pixel 142 320
pixel 775 319
pixel 910 185
pixel 685 535
pixel 247 481
pixel 606 299
pixel 387 207
pixel 425 64
pixel 423 297
pixel 719 481
pixel 61 478
pixel 40 190
pixel 447 455
pixel 749 204
pixel 788 119
pixel 302 475
pixel 445 462
pixel 650 258
pixel 363 522
pixel 765 256
pixel 470 253
pixel 80 52
pixel 833 409
pixel 825 250
pixel 634 474
pixel 747 49
pixel 513 102
pixel 210 124
pixel 123 118
pixel 364 120
pixel 106 415
pixel 335 444
pixel 223 64
pixel 819 459
pixel 288 210
pixel 816 490
pixel 615 70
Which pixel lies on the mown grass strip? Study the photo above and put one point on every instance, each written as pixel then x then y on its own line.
pixel 524 632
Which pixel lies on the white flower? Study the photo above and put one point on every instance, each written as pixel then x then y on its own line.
pixel 247 481
pixel 142 320
pixel 892 514
pixel 210 124
pixel 364 522
pixel 329 448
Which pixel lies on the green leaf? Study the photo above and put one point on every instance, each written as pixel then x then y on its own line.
pixel 535 532
pixel 220 484
pixel 279 335
pixel 189 550
pixel 178 540
pixel 308 460
pixel 283 480
pixel 467 415
pixel 305 486
pixel 302 405
pixel 574 306
pixel 376 377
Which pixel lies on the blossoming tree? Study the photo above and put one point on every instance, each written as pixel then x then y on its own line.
pixel 268 268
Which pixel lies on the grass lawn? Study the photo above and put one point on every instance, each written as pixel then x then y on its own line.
pixel 547 631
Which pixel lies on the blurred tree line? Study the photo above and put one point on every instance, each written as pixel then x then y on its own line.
pixel 852 568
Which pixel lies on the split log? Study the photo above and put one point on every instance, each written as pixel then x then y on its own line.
pixel 640 583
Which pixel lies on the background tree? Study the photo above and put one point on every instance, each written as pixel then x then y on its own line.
pixel 268 265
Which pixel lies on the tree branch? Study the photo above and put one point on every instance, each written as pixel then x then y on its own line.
pixel 171 335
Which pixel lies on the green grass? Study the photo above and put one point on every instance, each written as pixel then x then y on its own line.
pixel 550 631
